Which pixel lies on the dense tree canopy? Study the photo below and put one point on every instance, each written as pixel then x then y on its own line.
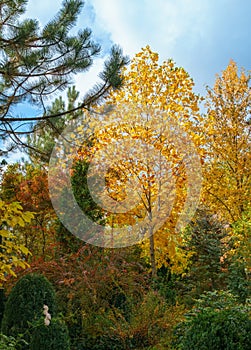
pixel 179 277
pixel 155 107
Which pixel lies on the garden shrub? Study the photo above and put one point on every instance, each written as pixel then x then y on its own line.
pixel 215 326
pixel 238 281
pixel 10 343
pixel 25 305
pixel 52 337
pixel 150 324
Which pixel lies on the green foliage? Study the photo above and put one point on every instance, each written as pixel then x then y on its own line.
pixel 2 301
pixel 165 284
pixel 52 337
pixel 11 343
pixel 150 324
pixel 82 193
pixel 36 62
pixel 210 330
pixel 25 304
pixel 216 323
pixel 206 242
pixel 238 280
pixel 85 202
pixel 217 299
pixel 46 131
pixel 242 238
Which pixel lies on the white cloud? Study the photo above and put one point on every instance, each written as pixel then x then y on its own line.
pixel 200 35
pixel 174 29
pixel 118 18
pixel 160 23
pixel 86 81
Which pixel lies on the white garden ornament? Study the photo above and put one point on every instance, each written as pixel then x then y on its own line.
pixel 47 316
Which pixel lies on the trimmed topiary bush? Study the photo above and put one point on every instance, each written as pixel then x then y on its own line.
pixel 25 305
pixel 52 337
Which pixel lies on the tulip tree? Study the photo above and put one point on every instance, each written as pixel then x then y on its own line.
pixel 137 133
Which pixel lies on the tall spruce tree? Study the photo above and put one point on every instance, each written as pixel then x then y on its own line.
pixel 36 62
pixel 207 241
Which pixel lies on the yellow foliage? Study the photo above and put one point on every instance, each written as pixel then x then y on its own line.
pixel 227 176
pixel 11 254
pixel 139 138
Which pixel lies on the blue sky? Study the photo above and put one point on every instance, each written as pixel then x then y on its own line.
pixel 200 35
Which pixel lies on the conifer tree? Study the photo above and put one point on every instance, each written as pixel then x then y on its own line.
pixel 37 62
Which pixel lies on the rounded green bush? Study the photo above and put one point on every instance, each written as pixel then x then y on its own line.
pixel 210 329
pixel 52 337
pixel 25 304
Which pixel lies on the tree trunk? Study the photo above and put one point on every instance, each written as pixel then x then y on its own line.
pixel 152 255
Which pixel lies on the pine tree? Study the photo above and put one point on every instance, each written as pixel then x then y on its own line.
pixel 42 140
pixel 207 241
pixel 36 62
